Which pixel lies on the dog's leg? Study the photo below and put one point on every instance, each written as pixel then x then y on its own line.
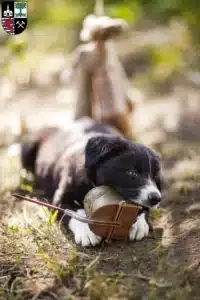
pixel 140 228
pixel 62 187
pixel 82 233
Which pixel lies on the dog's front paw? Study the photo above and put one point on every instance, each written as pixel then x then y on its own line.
pixel 82 234
pixel 139 229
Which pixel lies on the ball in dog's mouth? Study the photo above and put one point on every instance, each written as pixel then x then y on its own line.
pixel 101 196
pixel 105 204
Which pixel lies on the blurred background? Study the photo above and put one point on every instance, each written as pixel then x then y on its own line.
pixel 160 54
pixel 161 57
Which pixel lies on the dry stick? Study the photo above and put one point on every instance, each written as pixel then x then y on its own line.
pixel 81 254
pixel 36 296
pixel 69 212
pixel 10 253
pixel 53 295
pixel 99 8
pixel 31 225
pixel 149 279
pixel 93 262
pixel 4 277
pixel 61 220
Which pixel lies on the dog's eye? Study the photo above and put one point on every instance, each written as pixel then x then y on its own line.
pixel 132 173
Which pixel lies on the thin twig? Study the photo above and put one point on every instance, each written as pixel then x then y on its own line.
pixel 10 254
pixel 36 295
pixel 69 212
pixel 60 222
pixel 53 295
pixel 92 263
pixel 17 291
pixel 83 255
pixel 109 258
pixel 151 279
pixel 4 277
pixel 146 278
pixel 31 225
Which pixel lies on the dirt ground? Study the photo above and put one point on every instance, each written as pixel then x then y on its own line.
pixel 38 259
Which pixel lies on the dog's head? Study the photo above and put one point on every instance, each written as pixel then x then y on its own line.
pixel 131 169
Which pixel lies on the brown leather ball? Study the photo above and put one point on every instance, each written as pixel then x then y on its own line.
pixel 103 203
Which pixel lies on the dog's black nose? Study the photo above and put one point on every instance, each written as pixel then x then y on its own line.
pixel 154 198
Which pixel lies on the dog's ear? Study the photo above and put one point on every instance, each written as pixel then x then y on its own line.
pixel 157 155
pixel 158 172
pixel 101 148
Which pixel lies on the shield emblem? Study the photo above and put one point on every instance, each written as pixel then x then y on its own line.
pixel 14 16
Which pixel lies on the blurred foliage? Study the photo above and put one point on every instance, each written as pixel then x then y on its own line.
pixel 165 61
pixel 58 13
pixel 17 48
pixel 55 25
pixel 71 12
pixel 130 13
pixel 68 14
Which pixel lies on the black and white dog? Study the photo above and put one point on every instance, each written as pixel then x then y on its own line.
pixel 67 165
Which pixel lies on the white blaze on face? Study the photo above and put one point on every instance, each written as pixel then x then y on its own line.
pixel 149 188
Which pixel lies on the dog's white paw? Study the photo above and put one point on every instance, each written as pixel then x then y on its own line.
pixel 82 233
pixel 139 229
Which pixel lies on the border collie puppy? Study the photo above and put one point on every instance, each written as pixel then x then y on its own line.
pixel 67 164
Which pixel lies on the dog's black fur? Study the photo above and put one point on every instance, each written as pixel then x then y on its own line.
pixel 67 165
